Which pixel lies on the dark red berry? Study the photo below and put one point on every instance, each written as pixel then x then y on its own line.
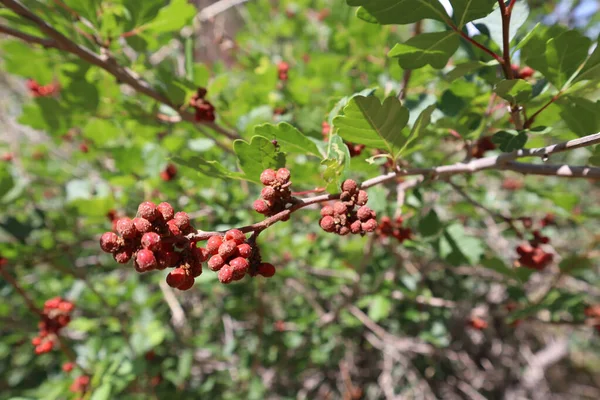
pixel 349 186
pixel 148 211
pixel 327 210
pixel 123 255
pixel 216 262
pixel 268 177
pixel 173 228
pixel 327 223
pixel 176 277
pixel 182 220
pixel 268 193
pixel 187 283
pixel 110 242
pixel 362 198
pixel 213 244
pixel 199 254
pixel 260 206
pixel 196 269
pixel 283 175
pixel 145 260
pixel 244 250
pixel 126 228
pixel 151 241
pixel 235 235
pixel 167 258
pixel 340 208
pixel 166 210
pixel 228 249
pixel 225 274
pixel 266 269
pixel 142 225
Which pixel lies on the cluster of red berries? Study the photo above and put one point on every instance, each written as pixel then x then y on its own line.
pixel 522 73
pixel 481 146
pixel 205 111
pixel 168 173
pixel 81 384
pixel 394 228
pixel 342 218
pixel 56 315
pixel 232 257
pixel 156 239
pixel 531 255
pixel 282 70
pixel 38 90
pixel 276 194
pixel 354 149
pixel 593 313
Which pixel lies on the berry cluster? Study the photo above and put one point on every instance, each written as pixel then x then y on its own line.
pixel 593 313
pixel 155 239
pixel 394 228
pixel 354 149
pixel 168 173
pixel 282 70
pixel 531 255
pixel 232 257
pixel 205 111
pixel 522 73
pixel 38 90
pixel 276 194
pixel 481 146
pixel 81 384
pixel 341 218
pixel 56 315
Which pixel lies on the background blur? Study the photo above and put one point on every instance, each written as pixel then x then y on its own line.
pixel 343 318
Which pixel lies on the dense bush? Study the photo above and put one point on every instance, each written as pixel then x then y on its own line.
pixel 299 199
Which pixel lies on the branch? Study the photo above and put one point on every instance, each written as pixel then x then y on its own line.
pixel 501 162
pixel 48 43
pixel 123 74
pixel 217 8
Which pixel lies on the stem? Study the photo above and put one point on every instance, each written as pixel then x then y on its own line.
pixel 506 14
pixel 531 119
pixel 475 43
pixel 30 304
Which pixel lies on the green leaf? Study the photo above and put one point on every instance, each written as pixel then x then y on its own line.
pixel 288 135
pixel 468 68
pixel 457 247
pixel 366 121
pixel 430 224
pixel 575 263
pixel 434 48
pixel 184 366
pixel 338 159
pixel 6 179
pixel 211 169
pixel 595 157
pixel 509 141
pixel 363 14
pixel 172 17
pixel 102 393
pixel 515 90
pixel 420 126
pixel 258 155
pixel 402 11
pixel 581 115
pixel 591 69
pixel 493 21
pixel 379 308
pixel 468 10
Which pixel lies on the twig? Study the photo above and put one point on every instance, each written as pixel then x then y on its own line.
pixel 48 43
pixel 30 304
pixel 531 119
pixel 217 8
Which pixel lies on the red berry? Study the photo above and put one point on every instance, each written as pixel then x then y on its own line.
pixel 349 186
pixel 225 274
pixel 123 255
pixel 52 303
pixel 228 249
pixel 151 241
pixel 126 228
pixel 182 220
pixel 84 148
pixel 66 306
pixel 235 235
pixel 213 244
pixel 340 208
pixel 176 277
pixel 142 225
pixel 244 250
pixel 283 175
pixel 239 264
pixel 356 227
pixel 283 67
pixel 146 260
pixel 268 177
pixel 173 228
pixel 369 226
pixel 266 269
pixel 166 211
pixel 45 347
pixel 147 210
pixel 187 283
pixel 196 269
pixel 68 366
pixel 36 341
pixel 362 198
pixel 327 223
pixel 216 262
pixel 199 254
pixel 364 213
pixel 526 72
pixel 166 259
pixel 261 206
pixel 110 242
pixel 344 230
pixel 268 193
pixel 327 211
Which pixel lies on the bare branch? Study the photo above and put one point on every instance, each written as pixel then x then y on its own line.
pixel 49 43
